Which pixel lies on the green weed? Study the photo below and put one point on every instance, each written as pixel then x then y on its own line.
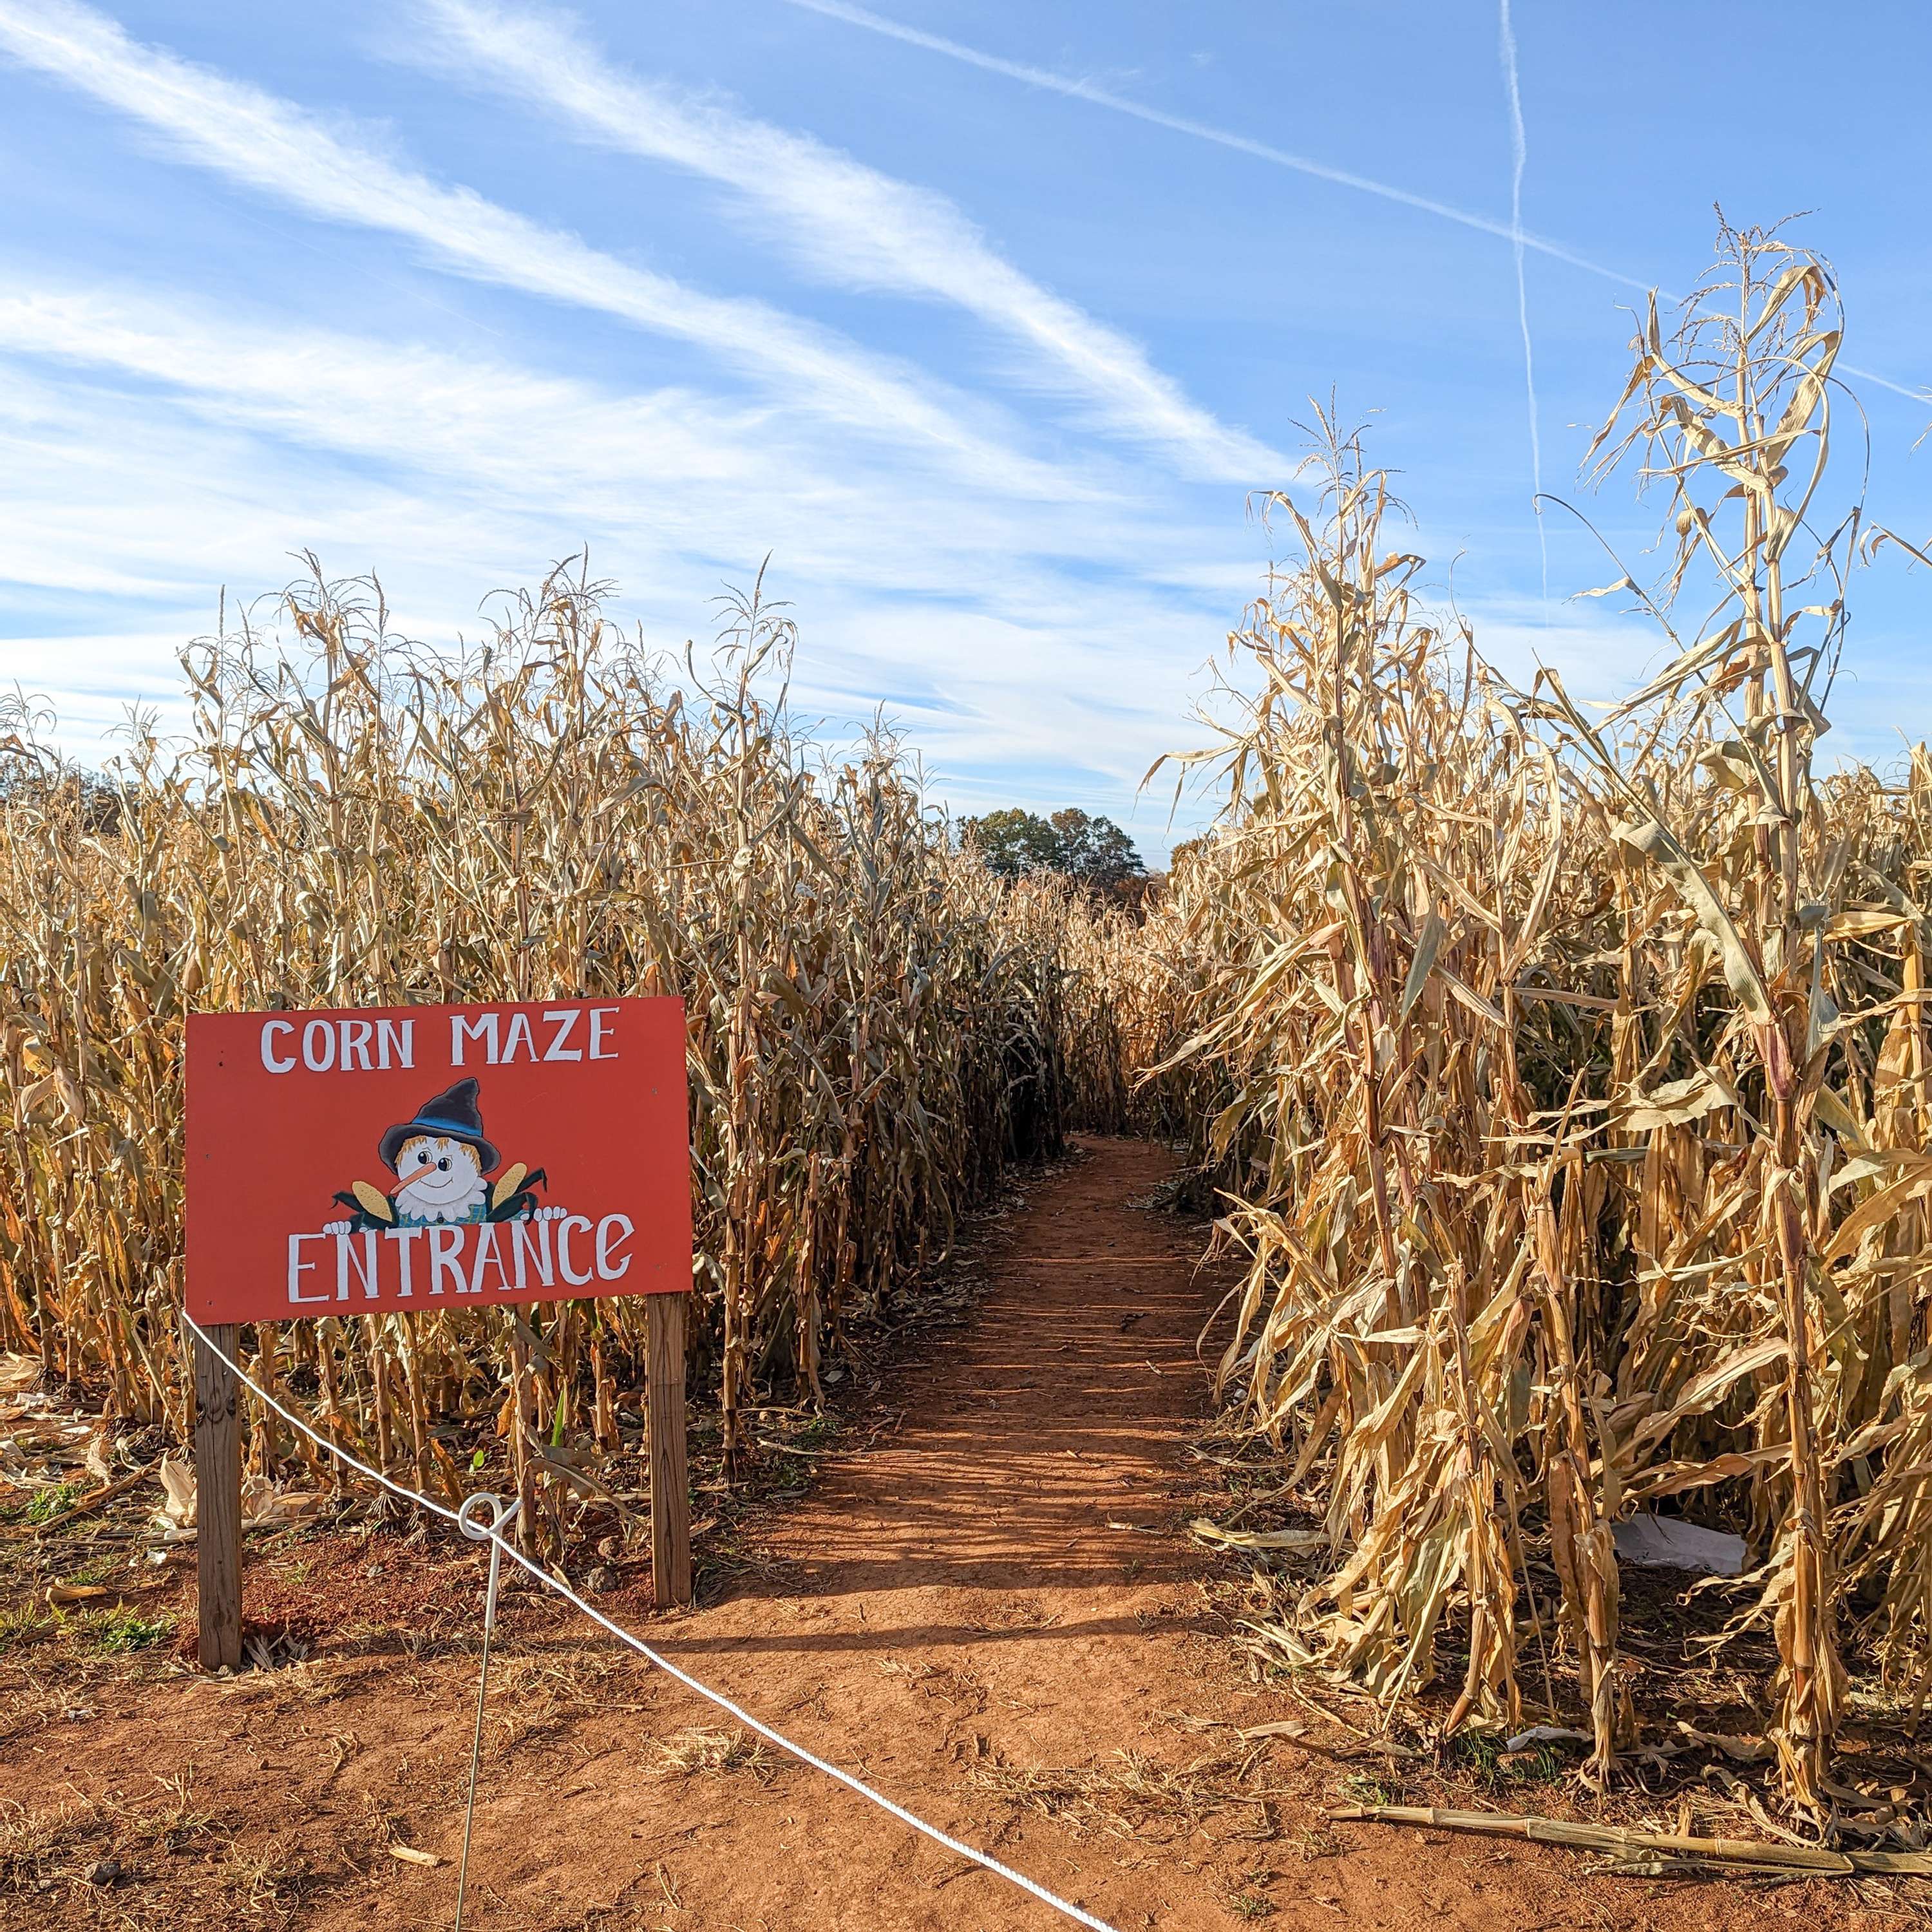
pixel 121 1630
pixel 56 1499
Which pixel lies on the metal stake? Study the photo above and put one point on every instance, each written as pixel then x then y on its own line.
pixel 477 1530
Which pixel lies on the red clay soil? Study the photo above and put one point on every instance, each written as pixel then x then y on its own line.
pixel 989 1609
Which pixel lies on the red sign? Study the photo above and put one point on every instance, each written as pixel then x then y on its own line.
pixel 435 1157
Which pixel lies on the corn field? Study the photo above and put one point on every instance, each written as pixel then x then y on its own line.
pixel 1562 1073
pixel 876 1025
pixel 1564 1076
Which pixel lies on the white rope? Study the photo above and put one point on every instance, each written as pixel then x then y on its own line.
pixel 495 1536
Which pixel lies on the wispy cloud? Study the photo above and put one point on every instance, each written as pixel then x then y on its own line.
pixel 1077 89
pixel 845 221
pixel 276 149
pixel 673 474
pixel 153 449
pixel 482 425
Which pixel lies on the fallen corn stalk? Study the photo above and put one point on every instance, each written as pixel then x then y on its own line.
pixel 1817 1860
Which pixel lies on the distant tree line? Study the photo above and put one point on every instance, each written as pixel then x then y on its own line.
pixel 1084 850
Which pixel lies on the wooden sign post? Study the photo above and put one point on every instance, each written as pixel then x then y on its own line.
pixel 670 1477
pixel 218 1498
pixel 430 1160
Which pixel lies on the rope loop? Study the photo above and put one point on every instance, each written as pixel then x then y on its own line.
pixel 501 1514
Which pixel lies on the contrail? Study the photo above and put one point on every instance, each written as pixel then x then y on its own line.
pixel 1518 159
pixel 1281 157
pixel 1201 130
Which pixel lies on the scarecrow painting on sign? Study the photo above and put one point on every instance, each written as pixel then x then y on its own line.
pixel 442 1163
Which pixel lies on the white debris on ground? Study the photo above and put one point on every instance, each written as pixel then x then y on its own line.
pixel 1669 1543
pixel 264 1505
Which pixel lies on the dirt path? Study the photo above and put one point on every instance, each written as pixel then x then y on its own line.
pixel 989 1603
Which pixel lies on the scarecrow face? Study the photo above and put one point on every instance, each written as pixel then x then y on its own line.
pixel 437 1179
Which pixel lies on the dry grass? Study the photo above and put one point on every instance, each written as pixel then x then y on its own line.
pixel 1565 1080
pixel 94 1858
pixel 693 1753
pixel 1135 1796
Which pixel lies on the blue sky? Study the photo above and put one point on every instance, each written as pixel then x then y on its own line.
pixel 983 320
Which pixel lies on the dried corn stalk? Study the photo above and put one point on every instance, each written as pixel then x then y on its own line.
pixel 1566 1079
pixel 877 1026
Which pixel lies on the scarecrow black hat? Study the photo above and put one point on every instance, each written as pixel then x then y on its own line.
pixel 453 1115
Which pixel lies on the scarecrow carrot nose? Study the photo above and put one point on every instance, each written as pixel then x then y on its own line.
pixel 421 1174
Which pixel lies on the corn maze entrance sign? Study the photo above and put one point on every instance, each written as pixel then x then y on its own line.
pixel 424 1160
pixel 435 1158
